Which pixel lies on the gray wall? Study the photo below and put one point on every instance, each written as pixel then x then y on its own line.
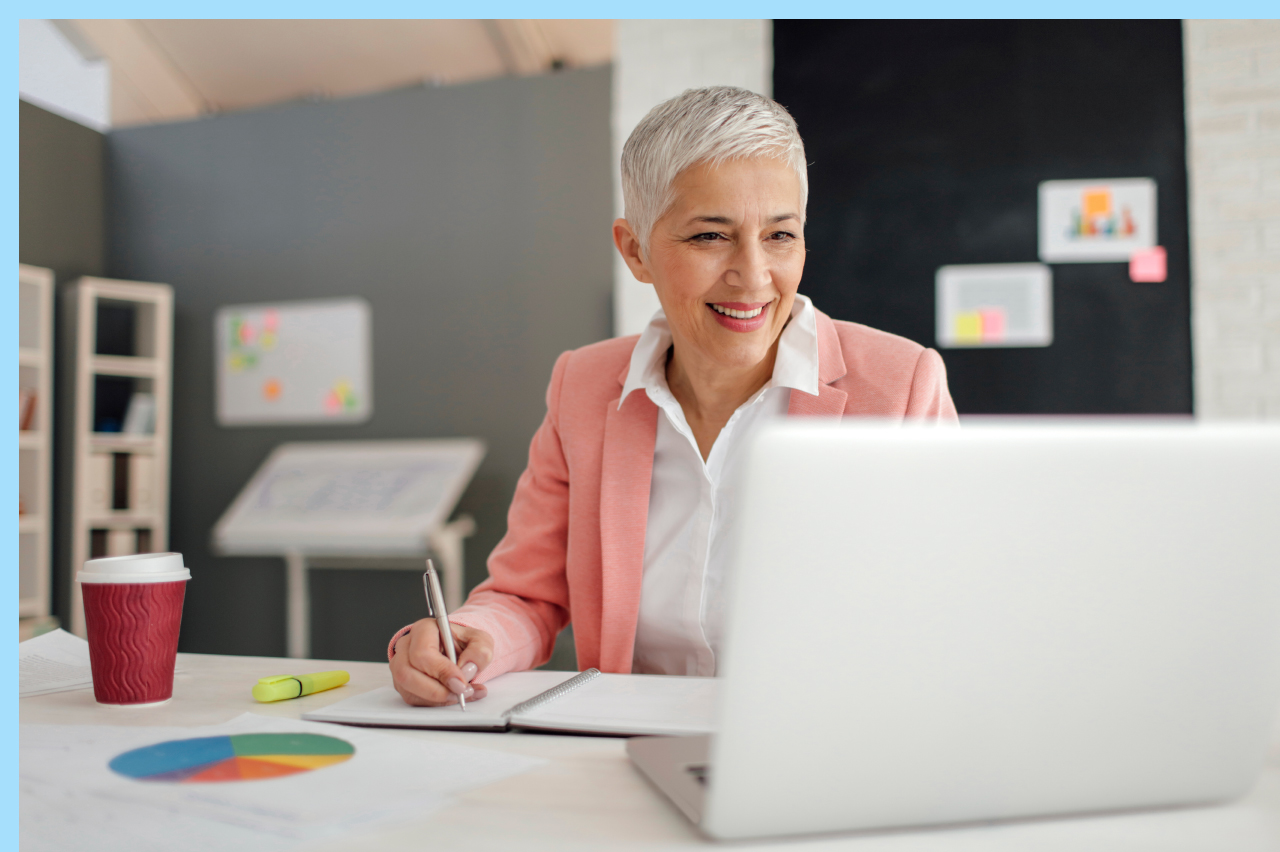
pixel 59 194
pixel 60 226
pixel 475 219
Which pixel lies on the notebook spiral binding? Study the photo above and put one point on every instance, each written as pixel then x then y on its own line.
pixel 544 698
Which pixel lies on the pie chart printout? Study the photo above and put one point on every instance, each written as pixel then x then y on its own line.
pixel 239 757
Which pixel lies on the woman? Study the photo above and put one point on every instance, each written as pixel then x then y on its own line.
pixel 622 520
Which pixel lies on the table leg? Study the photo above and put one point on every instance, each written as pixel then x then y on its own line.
pixel 446 543
pixel 298 621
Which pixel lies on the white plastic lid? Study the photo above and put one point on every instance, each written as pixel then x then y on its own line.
pixel 139 568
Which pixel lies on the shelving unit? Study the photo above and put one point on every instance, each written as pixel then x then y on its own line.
pixel 35 443
pixel 122 333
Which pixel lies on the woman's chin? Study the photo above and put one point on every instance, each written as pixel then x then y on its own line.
pixel 741 354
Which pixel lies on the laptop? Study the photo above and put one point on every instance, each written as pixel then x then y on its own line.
pixel 936 626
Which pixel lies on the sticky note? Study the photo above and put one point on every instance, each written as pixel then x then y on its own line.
pixel 1149 265
pixel 1097 202
pixel 968 327
pixel 993 324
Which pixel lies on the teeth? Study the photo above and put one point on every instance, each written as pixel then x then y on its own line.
pixel 730 312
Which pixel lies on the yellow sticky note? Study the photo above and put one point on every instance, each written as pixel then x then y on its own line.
pixel 968 327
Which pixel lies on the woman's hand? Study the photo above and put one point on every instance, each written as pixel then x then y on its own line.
pixel 421 670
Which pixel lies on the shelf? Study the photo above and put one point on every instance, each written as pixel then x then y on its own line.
pixel 32 626
pixel 121 365
pixel 123 346
pixel 28 607
pixel 30 439
pixel 30 357
pixel 30 524
pixel 121 442
pixel 122 520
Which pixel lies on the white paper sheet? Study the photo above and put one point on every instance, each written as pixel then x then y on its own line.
pixel 54 662
pixel 68 794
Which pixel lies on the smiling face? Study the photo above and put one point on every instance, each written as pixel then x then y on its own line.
pixel 726 261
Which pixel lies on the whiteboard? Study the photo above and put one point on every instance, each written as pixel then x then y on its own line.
pixel 294 362
pixel 349 498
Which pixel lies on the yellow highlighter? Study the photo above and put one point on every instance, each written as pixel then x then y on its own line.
pixel 280 687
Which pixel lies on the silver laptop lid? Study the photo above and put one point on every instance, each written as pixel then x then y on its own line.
pixel 940 625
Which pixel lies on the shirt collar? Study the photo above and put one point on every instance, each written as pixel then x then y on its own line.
pixel 796 365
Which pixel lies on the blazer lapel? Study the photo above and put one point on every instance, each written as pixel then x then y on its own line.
pixel 625 474
pixel 830 401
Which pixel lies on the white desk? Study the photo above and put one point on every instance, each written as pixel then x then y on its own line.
pixel 589 797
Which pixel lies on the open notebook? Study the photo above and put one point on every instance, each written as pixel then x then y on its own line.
pixel 589 702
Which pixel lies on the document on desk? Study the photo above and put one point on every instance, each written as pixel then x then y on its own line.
pixel 621 704
pixel 68 791
pixel 57 661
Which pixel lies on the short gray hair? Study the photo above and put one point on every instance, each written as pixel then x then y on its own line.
pixel 708 125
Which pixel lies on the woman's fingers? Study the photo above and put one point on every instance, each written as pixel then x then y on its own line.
pixel 477 650
pixel 423 674
pixel 418 689
pixel 425 654
pixel 419 669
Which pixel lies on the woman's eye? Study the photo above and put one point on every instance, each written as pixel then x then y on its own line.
pixel 781 236
pixel 708 237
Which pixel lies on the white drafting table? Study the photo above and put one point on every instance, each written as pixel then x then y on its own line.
pixel 589 797
pixel 320 504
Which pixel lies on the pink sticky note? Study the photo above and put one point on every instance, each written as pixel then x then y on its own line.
pixel 992 324
pixel 1149 265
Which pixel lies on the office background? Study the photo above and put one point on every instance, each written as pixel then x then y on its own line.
pixel 474 217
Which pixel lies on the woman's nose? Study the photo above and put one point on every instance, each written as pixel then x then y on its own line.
pixel 750 266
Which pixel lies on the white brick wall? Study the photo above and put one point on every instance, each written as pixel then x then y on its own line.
pixel 1233 160
pixel 656 60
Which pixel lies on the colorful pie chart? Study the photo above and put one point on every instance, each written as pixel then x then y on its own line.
pixel 239 757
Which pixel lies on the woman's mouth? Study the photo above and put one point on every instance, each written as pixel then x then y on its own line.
pixel 740 316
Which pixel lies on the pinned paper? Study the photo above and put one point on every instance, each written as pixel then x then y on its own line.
pixel 1093 221
pixel 1150 265
pixel 1005 304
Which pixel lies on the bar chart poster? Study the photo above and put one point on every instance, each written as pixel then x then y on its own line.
pixel 294 363
pixel 1096 221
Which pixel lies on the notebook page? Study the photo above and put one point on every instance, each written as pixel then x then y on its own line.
pixel 385 706
pixel 631 704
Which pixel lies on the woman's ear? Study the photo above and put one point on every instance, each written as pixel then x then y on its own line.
pixel 629 247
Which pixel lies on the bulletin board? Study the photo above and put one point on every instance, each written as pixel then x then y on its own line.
pixel 932 143
pixel 293 363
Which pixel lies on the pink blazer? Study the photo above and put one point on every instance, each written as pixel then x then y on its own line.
pixel 574 548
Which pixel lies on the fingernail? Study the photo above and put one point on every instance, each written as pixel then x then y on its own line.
pixel 470 692
pixel 456 686
pixel 469 671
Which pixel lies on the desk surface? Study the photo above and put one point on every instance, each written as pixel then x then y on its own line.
pixel 588 796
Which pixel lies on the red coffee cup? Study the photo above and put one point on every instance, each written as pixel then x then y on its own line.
pixel 133 610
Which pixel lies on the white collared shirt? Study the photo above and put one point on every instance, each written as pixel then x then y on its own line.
pixel 693 504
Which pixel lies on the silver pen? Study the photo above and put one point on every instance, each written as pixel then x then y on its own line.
pixel 435 603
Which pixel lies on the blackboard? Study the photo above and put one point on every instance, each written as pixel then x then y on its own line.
pixel 927 141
